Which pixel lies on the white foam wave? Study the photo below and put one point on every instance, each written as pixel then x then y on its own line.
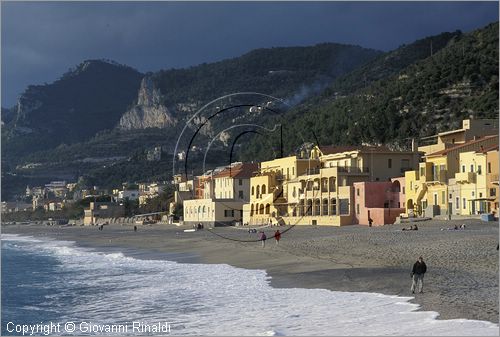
pixel 200 299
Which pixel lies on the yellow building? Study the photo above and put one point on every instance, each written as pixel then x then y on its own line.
pixel 471 129
pixel 270 187
pixel 318 190
pixel 492 178
pixel 221 196
pixel 427 190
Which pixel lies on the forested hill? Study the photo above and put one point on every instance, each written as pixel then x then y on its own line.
pixel 432 94
pixel 275 71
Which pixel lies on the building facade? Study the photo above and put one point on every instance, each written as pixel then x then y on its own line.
pixel 220 196
pixel 427 189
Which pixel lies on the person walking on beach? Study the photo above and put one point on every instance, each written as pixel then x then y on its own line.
pixel 277 236
pixel 417 274
pixel 263 238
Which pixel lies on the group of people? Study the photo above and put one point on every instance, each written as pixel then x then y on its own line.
pixel 462 226
pixel 411 228
pixel 263 237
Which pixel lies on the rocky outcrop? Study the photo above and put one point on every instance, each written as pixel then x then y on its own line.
pixel 149 112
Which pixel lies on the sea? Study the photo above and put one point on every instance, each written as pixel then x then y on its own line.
pixel 53 287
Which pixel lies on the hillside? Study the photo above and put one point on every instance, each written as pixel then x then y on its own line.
pixel 337 94
pixel 430 95
pixel 90 98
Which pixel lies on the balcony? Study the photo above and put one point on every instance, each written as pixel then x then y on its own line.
pixel 312 171
pixel 438 177
pixel 353 170
pixel 465 177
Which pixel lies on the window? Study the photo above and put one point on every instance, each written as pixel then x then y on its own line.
pixel 253 190
pixel 357 208
pixel 357 193
pixel 493 192
pixel 451 196
pixel 463 168
pixel 464 203
pixel 403 190
pixel 472 193
pixel 240 194
pixel 240 182
pixel 293 171
pixel 472 168
pixel 389 163
pixel 480 195
pixel 489 167
pixel 478 169
pixel 435 199
pixel 457 203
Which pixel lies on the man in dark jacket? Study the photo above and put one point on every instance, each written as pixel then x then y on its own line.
pixel 417 274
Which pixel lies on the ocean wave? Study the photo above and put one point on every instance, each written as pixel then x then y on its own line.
pixel 218 299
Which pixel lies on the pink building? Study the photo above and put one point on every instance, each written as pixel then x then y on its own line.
pixel 382 201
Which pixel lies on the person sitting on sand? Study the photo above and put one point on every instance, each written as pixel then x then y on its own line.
pixel 417 274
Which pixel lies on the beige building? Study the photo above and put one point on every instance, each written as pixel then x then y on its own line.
pixel 427 189
pixel 222 194
pixel 318 190
pixel 98 211
pixel 471 129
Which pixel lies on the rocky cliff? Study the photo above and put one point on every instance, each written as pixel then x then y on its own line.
pixel 149 112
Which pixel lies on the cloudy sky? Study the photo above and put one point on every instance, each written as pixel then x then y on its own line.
pixel 41 40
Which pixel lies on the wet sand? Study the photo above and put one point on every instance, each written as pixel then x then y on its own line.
pixel 461 282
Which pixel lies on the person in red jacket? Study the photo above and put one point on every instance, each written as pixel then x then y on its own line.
pixel 417 274
pixel 277 236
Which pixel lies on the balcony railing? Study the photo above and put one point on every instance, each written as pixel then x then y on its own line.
pixel 353 169
pixel 312 171
pixel 465 177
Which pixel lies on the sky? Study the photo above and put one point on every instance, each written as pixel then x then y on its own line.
pixel 42 40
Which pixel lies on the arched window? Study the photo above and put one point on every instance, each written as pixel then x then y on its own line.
pixel 253 190
pixel 333 207
pixel 317 207
pixel 301 208
pixel 263 189
pixel 396 187
pixel 309 207
pixel 261 211
pixel 251 209
pixel 258 191
pixel 268 209
pixel 325 207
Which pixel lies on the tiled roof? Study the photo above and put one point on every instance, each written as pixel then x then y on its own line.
pixel 488 148
pixel 244 170
pixel 470 142
pixel 326 150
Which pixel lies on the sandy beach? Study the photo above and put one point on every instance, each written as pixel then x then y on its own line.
pixel 461 282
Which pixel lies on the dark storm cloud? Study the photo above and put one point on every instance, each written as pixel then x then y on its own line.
pixel 42 40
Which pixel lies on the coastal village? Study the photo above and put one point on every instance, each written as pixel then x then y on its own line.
pixel 448 175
